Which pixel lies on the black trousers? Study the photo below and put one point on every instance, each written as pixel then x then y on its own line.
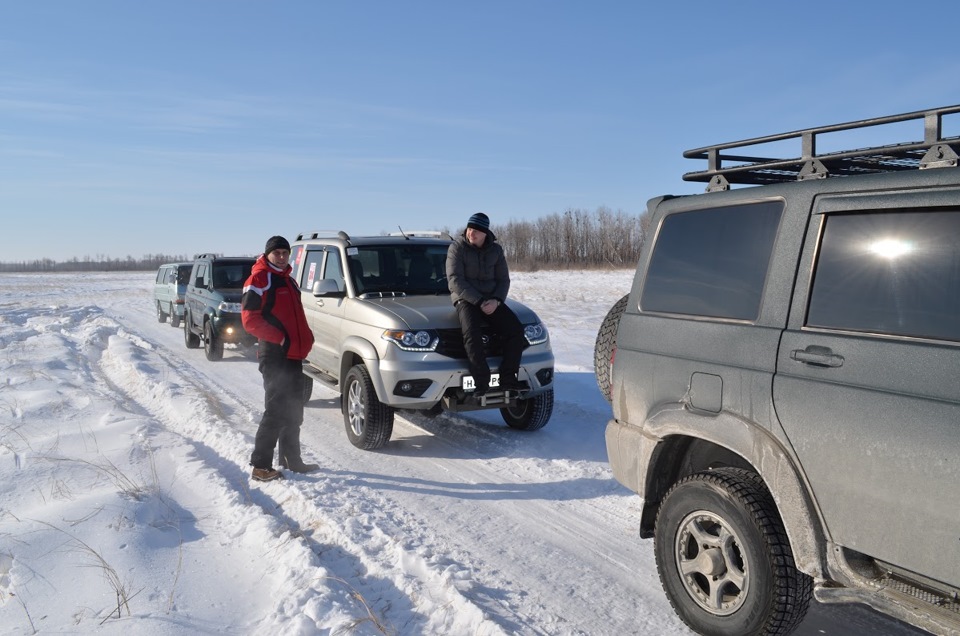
pixel 282 412
pixel 506 324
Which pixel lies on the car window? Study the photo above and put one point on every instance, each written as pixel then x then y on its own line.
pixel 160 274
pixel 230 275
pixel 312 266
pixel 404 268
pixel 712 262
pixel 201 280
pixel 333 270
pixel 894 273
pixel 183 274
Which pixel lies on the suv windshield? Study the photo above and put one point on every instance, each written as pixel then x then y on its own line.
pixel 398 269
pixel 226 275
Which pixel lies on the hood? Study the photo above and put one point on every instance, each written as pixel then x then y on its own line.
pixel 424 312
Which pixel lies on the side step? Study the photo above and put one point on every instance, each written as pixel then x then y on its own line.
pixel 935 611
pixel 319 376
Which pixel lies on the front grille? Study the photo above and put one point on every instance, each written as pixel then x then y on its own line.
pixel 451 344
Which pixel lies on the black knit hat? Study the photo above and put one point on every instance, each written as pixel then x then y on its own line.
pixel 276 243
pixel 480 221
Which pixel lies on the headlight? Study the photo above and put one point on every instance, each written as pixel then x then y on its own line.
pixel 535 333
pixel 413 340
pixel 229 307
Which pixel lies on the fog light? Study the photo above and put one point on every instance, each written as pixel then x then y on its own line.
pixel 406 387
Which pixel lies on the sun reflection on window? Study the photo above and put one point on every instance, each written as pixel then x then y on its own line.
pixel 890 248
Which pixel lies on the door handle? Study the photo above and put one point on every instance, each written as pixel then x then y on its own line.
pixel 817 356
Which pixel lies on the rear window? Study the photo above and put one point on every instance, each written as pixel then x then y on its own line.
pixel 895 273
pixel 712 262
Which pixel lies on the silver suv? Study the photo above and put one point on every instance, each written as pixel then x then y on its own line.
pixel 387 336
pixel 784 381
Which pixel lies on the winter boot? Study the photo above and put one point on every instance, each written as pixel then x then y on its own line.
pixel 297 465
pixel 266 474
pixel 289 451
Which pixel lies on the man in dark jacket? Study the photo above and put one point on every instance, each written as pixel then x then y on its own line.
pixel 479 280
pixel 272 311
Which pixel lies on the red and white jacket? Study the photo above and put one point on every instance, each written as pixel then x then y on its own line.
pixel 272 311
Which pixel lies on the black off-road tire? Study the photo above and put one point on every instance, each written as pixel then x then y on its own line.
pixel 191 339
pixel 724 558
pixel 161 316
pixel 530 414
pixel 605 346
pixel 174 320
pixel 368 421
pixel 212 344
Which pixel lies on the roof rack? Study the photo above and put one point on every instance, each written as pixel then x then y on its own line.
pixel 935 151
pixel 305 236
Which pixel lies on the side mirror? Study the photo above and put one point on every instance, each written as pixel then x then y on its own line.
pixel 326 287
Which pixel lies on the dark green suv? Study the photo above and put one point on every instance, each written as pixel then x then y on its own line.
pixel 784 380
pixel 212 303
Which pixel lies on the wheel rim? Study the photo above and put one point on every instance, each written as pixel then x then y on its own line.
pixel 711 563
pixel 355 408
pixel 519 409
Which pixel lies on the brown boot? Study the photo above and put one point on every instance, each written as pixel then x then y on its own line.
pixel 266 474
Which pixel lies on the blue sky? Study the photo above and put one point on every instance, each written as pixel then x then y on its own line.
pixel 133 128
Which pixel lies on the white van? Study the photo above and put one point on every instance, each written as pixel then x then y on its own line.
pixel 168 290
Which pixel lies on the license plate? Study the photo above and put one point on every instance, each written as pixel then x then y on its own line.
pixel 468 385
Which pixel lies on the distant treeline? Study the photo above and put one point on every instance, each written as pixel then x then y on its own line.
pixel 98 264
pixel 573 239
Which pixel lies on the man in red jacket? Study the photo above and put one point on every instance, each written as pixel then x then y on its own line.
pixel 272 311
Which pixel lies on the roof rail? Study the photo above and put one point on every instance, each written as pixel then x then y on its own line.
pixel 417 233
pixel 306 236
pixel 934 151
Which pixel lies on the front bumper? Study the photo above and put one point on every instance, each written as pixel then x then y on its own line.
pixel 432 377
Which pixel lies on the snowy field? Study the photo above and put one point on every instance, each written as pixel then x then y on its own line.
pixel 126 505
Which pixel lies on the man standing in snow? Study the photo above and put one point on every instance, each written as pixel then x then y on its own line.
pixel 479 280
pixel 272 311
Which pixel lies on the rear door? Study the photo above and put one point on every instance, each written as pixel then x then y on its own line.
pixel 867 376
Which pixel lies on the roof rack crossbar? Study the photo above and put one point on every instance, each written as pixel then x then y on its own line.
pixel 934 151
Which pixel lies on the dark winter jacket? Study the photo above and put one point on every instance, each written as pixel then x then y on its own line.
pixel 476 274
pixel 272 311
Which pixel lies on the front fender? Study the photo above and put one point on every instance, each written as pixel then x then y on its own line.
pixel 354 346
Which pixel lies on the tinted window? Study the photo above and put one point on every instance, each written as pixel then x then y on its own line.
pixel 183 274
pixel 417 268
pixel 712 262
pixel 889 272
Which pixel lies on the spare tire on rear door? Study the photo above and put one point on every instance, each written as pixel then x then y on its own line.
pixel 606 347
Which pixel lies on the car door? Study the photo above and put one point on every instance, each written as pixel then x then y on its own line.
pixel 866 385
pixel 324 313
pixel 196 303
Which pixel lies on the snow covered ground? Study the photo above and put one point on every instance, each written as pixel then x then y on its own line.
pixel 126 505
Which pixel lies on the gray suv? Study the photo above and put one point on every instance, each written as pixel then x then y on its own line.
pixel 212 314
pixel 784 381
pixel 387 336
